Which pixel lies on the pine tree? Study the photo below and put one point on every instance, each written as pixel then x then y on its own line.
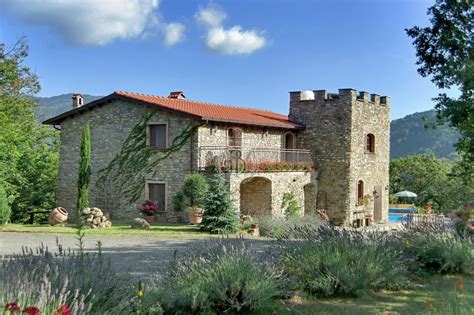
pixel 84 172
pixel 219 214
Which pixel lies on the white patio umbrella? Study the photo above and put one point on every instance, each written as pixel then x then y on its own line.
pixel 407 194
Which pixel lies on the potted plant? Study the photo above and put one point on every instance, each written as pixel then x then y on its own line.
pixel 149 209
pixel 195 188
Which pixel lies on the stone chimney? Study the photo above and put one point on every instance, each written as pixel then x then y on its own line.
pixel 77 100
pixel 177 95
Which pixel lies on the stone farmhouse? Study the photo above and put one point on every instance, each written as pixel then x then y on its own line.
pixel 331 151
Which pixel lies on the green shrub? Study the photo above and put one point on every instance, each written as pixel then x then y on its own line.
pixel 334 262
pixel 5 209
pixel 290 205
pixel 177 202
pixel 283 227
pixel 436 251
pixel 195 188
pixel 224 276
pixel 219 214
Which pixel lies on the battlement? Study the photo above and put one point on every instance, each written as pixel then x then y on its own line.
pixel 348 94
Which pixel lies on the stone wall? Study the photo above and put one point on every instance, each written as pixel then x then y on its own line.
pixel 370 115
pixel 328 136
pixel 281 182
pixel 336 129
pixel 253 137
pixel 110 126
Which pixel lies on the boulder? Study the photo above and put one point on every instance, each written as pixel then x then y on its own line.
pixel 140 223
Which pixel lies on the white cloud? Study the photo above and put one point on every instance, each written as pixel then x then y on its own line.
pixel 231 41
pixel 173 34
pixel 211 16
pixel 88 22
pixel 234 41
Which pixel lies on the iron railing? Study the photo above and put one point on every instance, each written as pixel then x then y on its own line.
pixel 245 159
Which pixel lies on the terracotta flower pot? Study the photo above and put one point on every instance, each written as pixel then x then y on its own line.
pixel 149 218
pixel 194 215
pixel 58 216
pixel 254 225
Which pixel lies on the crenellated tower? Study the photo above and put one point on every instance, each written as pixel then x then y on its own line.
pixel 348 134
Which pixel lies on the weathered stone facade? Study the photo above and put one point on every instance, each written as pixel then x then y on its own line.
pixel 336 126
pixel 336 129
pixel 110 125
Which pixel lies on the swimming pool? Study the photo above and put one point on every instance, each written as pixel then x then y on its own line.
pixel 395 214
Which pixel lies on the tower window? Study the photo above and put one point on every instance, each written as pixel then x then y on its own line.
pixel 360 192
pixel 370 143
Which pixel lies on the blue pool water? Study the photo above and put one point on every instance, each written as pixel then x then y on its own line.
pixel 395 214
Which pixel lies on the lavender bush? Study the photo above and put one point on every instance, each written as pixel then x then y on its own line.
pixel 283 227
pixel 85 282
pixel 222 276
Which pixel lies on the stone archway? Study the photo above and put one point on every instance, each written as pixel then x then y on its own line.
pixel 256 196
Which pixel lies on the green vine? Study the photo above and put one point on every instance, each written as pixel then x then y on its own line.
pixel 129 169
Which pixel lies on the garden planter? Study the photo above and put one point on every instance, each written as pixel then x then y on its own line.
pixel 58 216
pixel 254 225
pixel 195 215
pixel 150 218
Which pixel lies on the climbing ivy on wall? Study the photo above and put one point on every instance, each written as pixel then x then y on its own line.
pixel 129 169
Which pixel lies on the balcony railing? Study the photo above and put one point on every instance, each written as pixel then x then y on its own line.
pixel 242 159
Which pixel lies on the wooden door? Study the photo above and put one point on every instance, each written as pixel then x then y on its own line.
pixel 378 204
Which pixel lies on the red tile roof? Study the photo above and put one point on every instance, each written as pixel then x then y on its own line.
pixel 201 110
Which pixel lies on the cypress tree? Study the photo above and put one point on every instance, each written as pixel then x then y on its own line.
pixel 219 214
pixel 84 172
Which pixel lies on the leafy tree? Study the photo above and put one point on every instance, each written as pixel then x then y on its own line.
pixel 195 188
pixel 290 205
pixel 84 171
pixel 28 152
pixel 445 52
pixel 219 214
pixel 432 180
pixel 5 209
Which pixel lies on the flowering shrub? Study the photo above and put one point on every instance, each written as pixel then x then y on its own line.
pixel 149 207
pixel 261 166
pixel 13 308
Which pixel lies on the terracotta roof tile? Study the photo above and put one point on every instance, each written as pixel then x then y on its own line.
pixel 216 112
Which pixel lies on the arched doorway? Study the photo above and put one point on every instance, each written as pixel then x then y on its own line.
pixel 256 196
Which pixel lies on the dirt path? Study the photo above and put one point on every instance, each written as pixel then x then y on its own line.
pixel 138 255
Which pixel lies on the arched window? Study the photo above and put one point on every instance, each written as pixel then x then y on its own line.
pixel 370 143
pixel 234 137
pixel 360 191
pixel 289 140
pixel 288 147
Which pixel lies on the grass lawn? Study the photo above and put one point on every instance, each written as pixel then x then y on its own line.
pixel 437 295
pixel 164 230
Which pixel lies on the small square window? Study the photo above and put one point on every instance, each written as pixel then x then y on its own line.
pixel 158 136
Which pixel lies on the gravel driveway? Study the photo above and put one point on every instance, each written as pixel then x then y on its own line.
pixel 136 254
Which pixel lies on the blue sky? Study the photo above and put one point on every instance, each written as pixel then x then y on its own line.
pixel 247 53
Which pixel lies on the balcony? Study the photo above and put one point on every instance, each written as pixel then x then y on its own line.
pixel 242 159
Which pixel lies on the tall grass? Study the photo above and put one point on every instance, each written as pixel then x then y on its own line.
pixel 330 261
